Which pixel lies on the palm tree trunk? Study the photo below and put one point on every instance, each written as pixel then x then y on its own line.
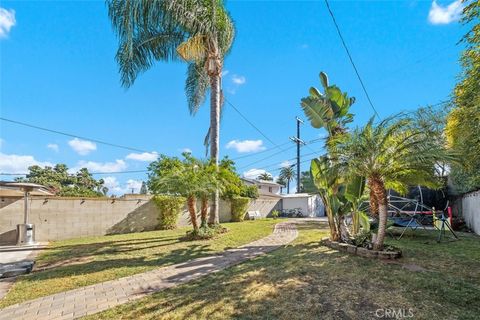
pixel 288 186
pixel 214 72
pixel 191 204
pixel 204 212
pixel 380 194
pixel 373 200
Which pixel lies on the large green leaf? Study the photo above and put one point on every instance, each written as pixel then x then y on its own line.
pixel 355 188
pixel 324 79
pixel 315 93
pixel 364 220
pixel 316 111
pixel 337 100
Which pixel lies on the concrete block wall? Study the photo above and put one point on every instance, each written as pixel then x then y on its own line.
pixel 65 218
pixel 58 218
pixel 265 205
pixel 471 210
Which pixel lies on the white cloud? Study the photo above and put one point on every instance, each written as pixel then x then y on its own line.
pixel 134 184
pixel 1 142
pixel 225 72
pixel 53 146
pixel 118 165
pixel 146 156
pixel 116 188
pixel 82 147
pixel 12 163
pixel 439 14
pixel 238 80
pixel 286 163
pixel 7 21
pixel 254 173
pixel 188 150
pixel 243 146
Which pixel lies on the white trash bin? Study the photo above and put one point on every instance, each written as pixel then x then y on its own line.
pixel 25 234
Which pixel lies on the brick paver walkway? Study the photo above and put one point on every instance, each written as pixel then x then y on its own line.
pixel 95 298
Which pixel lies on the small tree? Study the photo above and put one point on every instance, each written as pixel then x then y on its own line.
pixel 173 176
pixel 306 183
pixel 57 178
pixel 391 155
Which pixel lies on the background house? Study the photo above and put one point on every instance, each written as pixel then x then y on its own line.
pixel 311 205
pixel 264 187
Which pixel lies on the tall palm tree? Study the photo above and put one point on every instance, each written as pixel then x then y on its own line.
pixel 265 177
pixel 287 174
pixel 198 31
pixel 282 183
pixel 390 155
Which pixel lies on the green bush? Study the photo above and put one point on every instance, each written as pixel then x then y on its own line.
pixel 170 208
pixel 204 233
pixel 275 214
pixel 239 207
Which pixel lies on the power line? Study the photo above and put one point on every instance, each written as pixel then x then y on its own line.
pixel 72 135
pixel 281 151
pixel 251 124
pixel 350 57
pixel 260 152
pixel 266 158
pixel 92 173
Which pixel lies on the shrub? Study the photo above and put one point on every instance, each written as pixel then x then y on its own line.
pixel 204 233
pixel 275 214
pixel 239 207
pixel 170 208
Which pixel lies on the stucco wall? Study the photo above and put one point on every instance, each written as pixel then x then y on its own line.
pixel 471 210
pixel 65 218
pixel 265 205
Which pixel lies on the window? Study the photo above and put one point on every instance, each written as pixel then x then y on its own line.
pixel 269 189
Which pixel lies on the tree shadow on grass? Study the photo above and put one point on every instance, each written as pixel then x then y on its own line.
pixel 309 281
pixel 65 252
pixel 142 263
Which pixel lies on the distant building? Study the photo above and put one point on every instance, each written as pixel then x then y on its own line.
pixel 310 204
pixel 265 188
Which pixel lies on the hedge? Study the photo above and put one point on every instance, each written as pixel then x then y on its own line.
pixel 170 208
pixel 239 206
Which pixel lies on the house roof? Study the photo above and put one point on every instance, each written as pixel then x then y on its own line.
pixel 266 194
pixel 264 182
pixel 296 195
pixel 10 192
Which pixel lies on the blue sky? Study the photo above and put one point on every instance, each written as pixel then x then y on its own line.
pixel 58 71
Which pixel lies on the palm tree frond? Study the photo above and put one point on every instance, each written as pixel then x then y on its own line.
pixel 194 49
pixel 197 85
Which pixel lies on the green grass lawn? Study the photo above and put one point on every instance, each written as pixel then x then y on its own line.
pixel 81 262
pixel 306 280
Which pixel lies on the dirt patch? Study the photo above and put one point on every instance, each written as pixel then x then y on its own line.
pixel 414 267
pixel 409 266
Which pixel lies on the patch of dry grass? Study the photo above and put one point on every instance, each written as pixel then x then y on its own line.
pixel 309 281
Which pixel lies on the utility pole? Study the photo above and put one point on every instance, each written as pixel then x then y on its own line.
pixel 299 142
